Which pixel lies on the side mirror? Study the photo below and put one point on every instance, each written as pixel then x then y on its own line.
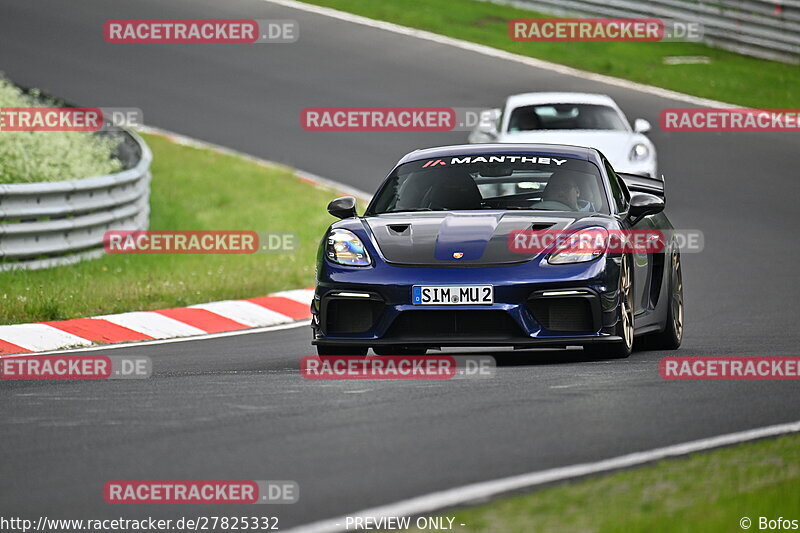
pixel 488 120
pixel 344 207
pixel 643 204
pixel 640 125
pixel 486 129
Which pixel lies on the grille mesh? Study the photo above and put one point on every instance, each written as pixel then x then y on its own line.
pixel 563 314
pixel 351 316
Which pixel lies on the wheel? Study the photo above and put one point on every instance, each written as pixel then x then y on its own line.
pixel 624 329
pixel 671 337
pixel 324 350
pixel 398 350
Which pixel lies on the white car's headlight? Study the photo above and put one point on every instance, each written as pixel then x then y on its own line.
pixel 639 152
pixel 580 247
pixel 345 248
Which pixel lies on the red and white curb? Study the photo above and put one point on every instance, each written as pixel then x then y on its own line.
pixel 201 319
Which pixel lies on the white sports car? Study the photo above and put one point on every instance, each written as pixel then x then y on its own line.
pixel 578 119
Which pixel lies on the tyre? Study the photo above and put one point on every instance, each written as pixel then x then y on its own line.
pixel 671 337
pixel 324 350
pixel 398 350
pixel 624 328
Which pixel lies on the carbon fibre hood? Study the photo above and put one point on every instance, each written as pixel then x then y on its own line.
pixel 456 238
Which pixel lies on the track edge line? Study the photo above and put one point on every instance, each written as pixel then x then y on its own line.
pixel 502 54
pixel 449 498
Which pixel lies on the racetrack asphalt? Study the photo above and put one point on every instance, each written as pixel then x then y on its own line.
pixel 237 408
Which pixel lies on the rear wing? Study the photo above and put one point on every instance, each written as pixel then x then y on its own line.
pixel 638 183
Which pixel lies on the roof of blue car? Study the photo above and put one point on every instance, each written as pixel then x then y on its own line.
pixel 576 152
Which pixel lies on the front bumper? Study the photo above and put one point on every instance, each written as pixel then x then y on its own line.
pixel 534 305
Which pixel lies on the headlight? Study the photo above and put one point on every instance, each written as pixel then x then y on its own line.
pixel 580 247
pixel 345 248
pixel 639 152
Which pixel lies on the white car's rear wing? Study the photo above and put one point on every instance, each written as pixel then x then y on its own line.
pixel 638 183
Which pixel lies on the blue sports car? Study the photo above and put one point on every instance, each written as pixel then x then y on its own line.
pixel 435 262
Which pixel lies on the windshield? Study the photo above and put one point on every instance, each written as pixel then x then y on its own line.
pixel 566 117
pixel 546 183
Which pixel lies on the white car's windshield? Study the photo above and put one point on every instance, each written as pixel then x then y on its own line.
pixel 565 117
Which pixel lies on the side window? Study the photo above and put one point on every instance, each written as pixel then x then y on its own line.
pixel 619 192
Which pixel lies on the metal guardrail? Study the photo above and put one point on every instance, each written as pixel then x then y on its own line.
pixel 63 222
pixel 768 29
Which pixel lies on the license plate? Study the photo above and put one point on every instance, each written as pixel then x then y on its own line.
pixel 452 294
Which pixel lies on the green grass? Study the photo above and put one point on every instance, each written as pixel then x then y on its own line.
pixel 708 492
pixel 729 77
pixel 192 189
pixel 36 156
